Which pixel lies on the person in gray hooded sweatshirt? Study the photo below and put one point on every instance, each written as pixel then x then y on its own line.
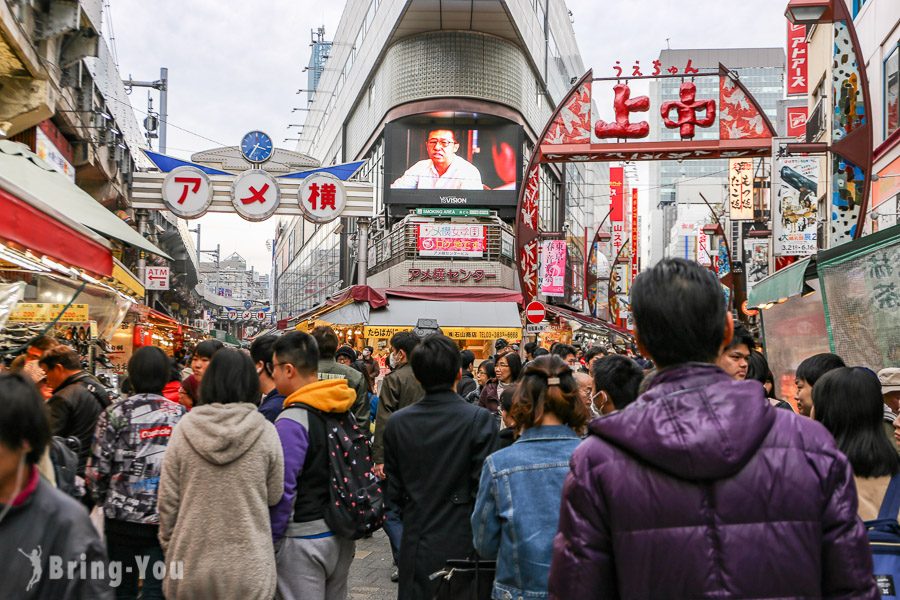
pixel 222 470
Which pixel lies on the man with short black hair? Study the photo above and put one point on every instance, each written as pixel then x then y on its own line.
pixel 311 561
pixel 701 474
pixel 272 400
pixel 38 345
pixel 593 354
pixel 77 401
pixel 329 368
pixel 735 359
pixel 434 452
pixel 616 382
pixel 467 384
pixel 568 354
pixel 530 347
pixel 808 373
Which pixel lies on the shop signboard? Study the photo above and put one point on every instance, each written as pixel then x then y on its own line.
pixel 45 312
pixel 797 81
pixel 156 278
pixel 534 328
pixel 703 242
pixel 634 233
pixel 756 260
pixel 322 198
pixel 453 212
pixel 553 267
pixel 795 204
pixel 483 333
pixel 507 243
pixel 617 208
pixel 796 121
pixel 248 315
pixel 740 189
pixel 451 240
pixel 48 152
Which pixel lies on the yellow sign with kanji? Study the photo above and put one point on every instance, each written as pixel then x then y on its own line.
pixel 455 333
pixel 45 312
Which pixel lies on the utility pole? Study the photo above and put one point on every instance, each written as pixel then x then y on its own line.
pixel 161 85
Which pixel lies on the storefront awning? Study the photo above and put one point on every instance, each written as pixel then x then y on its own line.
pixel 405 312
pixel 24 175
pixel 782 284
pixel 458 294
pixel 588 320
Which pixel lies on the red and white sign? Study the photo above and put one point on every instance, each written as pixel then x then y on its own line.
pixel 797 63
pixel 796 121
pixel 634 233
pixel 535 312
pixel 445 239
pixel 187 192
pixel 617 208
pixel 322 198
pixel 155 432
pixel 255 195
pixel 703 242
pixel 156 278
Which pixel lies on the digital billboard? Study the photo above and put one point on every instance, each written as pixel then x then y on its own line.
pixel 452 162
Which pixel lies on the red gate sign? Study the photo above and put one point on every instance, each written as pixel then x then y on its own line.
pixel 535 312
pixel 797 81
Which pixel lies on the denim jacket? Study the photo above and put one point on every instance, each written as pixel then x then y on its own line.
pixel 517 509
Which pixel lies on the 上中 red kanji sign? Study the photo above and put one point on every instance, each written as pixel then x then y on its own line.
pixel 687 108
pixel 322 197
pixel 255 195
pixel 187 192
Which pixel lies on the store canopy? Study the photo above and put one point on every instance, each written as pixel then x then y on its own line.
pixel 459 294
pixel 25 175
pixel 588 320
pixel 782 284
pixel 406 312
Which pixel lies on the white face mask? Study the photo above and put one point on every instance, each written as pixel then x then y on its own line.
pixel 366 353
pixel 393 360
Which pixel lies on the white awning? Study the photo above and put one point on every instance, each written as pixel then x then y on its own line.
pixel 403 312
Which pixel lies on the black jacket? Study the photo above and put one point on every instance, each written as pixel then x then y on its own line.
pixel 75 408
pixel 434 452
pixel 466 385
pixel 398 390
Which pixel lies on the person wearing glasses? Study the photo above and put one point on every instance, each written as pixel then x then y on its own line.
pixel 443 169
pixel 508 368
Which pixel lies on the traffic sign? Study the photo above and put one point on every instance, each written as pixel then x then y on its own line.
pixel 533 328
pixel 156 278
pixel 535 312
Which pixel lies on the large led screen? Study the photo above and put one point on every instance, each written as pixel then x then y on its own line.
pixel 452 162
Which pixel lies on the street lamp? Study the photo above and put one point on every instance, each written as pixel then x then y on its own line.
pixel 810 12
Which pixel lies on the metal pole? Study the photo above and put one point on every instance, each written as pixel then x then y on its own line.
pixel 141 216
pixel 163 107
pixel 362 252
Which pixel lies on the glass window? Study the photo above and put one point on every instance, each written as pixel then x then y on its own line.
pixel 892 92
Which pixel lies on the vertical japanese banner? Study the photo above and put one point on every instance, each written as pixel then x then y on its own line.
pixel 553 267
pixel 797 82
pixel 703 251
pixel 634 233
pixel 794 205
pixel 756 260
pixel 740 189
pixel 617 208
pixel 618 294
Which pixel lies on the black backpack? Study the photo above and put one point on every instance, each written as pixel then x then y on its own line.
pixel 64 457
pixel 356 507
pixel 884 539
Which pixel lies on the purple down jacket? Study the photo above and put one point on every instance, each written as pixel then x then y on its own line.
pixel 701 489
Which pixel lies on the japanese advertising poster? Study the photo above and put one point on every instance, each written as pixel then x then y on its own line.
pixel 795 185
pixel 553 267
pixel 740 189
pixel 452 162
pixel 756 260
pixel 444 239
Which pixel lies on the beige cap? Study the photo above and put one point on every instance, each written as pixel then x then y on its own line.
pixel 890 380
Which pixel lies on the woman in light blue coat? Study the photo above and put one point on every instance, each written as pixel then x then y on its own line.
pixel 529 476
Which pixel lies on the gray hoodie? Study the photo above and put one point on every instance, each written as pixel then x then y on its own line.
pixel 222 470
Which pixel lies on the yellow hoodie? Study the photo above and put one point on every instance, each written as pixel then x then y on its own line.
pixel 328 395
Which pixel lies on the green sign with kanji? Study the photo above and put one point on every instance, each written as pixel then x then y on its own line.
pixel 453 212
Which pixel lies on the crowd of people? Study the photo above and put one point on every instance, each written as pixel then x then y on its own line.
pixel 669 470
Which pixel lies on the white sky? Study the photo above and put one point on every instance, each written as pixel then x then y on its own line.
pixel 235 65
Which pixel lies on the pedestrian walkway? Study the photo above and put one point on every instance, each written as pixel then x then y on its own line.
pixel 370 573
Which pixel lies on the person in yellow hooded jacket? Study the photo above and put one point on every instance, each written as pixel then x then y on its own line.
pixel 311 561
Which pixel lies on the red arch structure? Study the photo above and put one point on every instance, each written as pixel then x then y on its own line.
pixel 744 132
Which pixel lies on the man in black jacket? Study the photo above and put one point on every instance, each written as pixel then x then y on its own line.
pixel 434 451
pixel 467 384
pixel 77 401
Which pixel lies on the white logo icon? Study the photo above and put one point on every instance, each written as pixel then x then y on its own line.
pixel 36 568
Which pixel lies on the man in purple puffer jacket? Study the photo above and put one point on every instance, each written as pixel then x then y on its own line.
pixel 700 488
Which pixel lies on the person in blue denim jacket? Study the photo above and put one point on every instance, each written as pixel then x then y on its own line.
pixel 517 508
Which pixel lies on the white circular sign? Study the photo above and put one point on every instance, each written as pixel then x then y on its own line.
pixel 187 192
pixel 322 198
pixel 255 195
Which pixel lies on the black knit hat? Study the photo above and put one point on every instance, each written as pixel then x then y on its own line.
pixel 346 351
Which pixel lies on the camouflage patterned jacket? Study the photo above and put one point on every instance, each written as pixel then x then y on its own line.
pixel 123 471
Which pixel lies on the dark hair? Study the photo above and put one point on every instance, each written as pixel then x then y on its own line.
pixel 435 362
pixel 540 352
pixel 758 370
pixel 300 350
pixel 208 348
pixel 407 341
pixel 679 312
pixel 261 351
pixel 741 336
pixel 535 396
pixel 848 402
pixel 149 370
pixel 42 342
pixel 327 341
pixel 500 344
pixel 230 377
pixel 488 366
pixel 346 351
pixel 23 416
pixel 530 347
pixel 592 352
pixel 507 396
pixel 814 367
pixel 60 355
pixel 563 350
pixel 467 357
pixel 618 376
pixel 515 365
